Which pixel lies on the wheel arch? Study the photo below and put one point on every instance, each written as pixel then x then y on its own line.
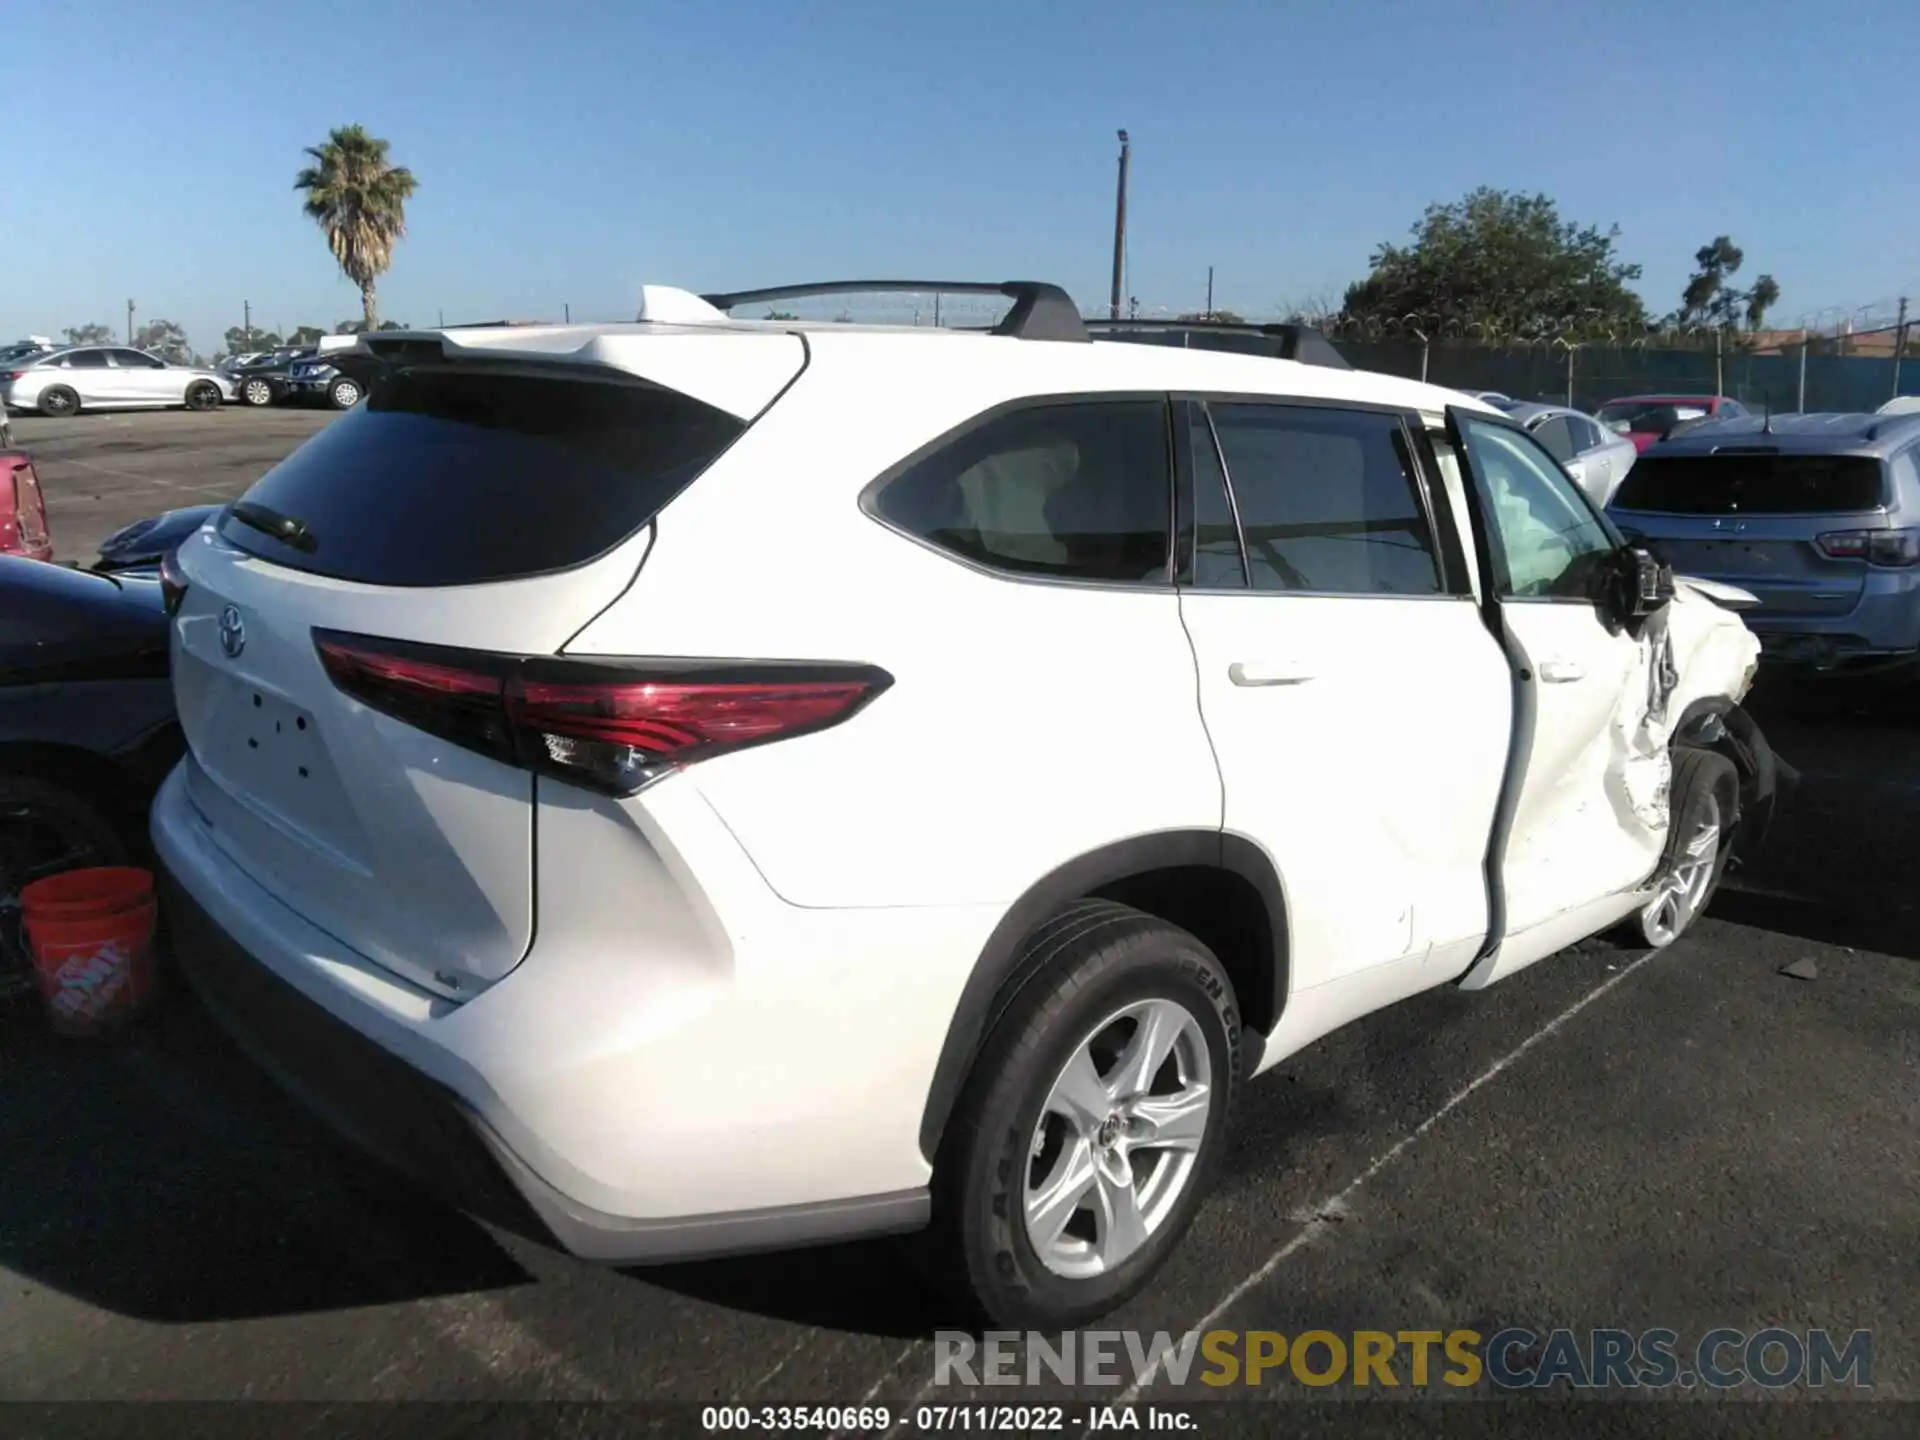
pixel 1718 723
pixel 1223 888
pixel 100 780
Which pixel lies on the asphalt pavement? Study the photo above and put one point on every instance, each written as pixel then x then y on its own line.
pixel 102 471
pixel 1687 1140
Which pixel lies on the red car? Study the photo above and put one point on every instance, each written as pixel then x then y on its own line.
pixel 1645 419
pixel 23 511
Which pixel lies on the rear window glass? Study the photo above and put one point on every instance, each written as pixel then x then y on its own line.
pixel 457 477
pixel 1726 484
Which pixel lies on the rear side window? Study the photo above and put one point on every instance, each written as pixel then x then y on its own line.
pixel 87 360
pixel 1556 438
pixel 1079 491
pixel 449 477
pixel 1326 500
pixel 1727 484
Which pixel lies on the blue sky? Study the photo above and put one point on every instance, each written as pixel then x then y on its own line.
pixel 568 152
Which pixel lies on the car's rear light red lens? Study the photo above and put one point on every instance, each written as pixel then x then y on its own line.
pixel 457 695
pixel 1892 548
pixel 610 724
pixel 173 583
pixel 16 374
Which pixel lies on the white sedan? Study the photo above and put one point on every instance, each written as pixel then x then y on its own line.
pixel 109 377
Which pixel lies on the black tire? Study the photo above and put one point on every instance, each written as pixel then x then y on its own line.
pixel 256 392
pixel 344 393
pixel 203 395
pixel 58 401
pixel 1705 785
pixel 1081 967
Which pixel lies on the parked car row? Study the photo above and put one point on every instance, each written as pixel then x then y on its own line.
pixel 1010 1002
pixel 1095 972
pixel 72 378
pixel 298 373
pixel 61 380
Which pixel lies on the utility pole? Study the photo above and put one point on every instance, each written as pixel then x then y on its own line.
pixel 129 322
pixel 1209 292
pixel 567 310
pixel 246 325
pixel 1899 344
pixel 1803 372
pixel 1719 360
pixel 1119 229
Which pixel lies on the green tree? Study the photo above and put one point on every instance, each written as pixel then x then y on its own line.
pixel 1218 317
pixel 1711 299
pixel 88 334
pixel 241 341
pixel 781 315
pixel 360 327
pixel 166 339
pixel 305 335
pixel 1500 264
pixel 359 199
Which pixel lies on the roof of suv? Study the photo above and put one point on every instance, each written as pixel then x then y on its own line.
pixel 1817 434
pixel 1029 366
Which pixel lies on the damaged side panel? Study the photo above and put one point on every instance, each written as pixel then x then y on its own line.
pixel 1587 817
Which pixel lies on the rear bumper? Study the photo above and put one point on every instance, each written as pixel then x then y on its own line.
pixel 551 1104
pixel 392 1112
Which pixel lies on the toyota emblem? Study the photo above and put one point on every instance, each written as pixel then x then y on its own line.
pixel 233 634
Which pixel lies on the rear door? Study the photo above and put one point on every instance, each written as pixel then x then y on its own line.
pixel 1567 843
pixel 1756 519
pixel 1357 703
pixel 467 505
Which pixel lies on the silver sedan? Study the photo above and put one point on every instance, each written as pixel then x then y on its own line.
pixel 108 377
pixel 1596 458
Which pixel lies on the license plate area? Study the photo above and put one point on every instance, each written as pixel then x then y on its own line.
pixel 267 746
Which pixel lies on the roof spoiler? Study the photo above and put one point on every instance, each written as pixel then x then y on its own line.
pixel 1302 343
pixel 1040 311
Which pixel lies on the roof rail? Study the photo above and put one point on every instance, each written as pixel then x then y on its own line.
pixel 1285 342
pixel 1040 311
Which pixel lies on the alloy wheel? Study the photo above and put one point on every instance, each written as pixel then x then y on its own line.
pixel 1684 888
pixel 1118 1138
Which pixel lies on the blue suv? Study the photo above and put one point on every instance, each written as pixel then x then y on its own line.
pixel 1817 516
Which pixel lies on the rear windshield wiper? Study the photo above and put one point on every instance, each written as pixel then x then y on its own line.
pixel 268 521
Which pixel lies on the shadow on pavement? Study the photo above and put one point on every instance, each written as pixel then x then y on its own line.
pixel 1837 868
pixel 160 1177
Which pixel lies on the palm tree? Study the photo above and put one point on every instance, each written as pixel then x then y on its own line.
pixel 360 201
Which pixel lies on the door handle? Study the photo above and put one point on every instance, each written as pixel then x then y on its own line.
pixel 1559 672
pixel 1277 672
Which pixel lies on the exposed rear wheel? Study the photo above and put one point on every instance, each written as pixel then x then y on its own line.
pixel 257 392
pixel 58 400
pixel 204 395
pixel 1087 1132
pixel 343 394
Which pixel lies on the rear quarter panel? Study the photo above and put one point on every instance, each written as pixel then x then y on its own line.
pixel 1027 722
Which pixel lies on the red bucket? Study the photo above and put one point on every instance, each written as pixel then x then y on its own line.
pixel 91 932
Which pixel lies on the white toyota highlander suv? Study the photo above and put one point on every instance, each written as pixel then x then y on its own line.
pixel 707 784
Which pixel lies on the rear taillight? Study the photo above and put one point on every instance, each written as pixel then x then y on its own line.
pixel 16 374
pixel 23 507
pixel 173 582
pixel 1892 548
pixel 611 725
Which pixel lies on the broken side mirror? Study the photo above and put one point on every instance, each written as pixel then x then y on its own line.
pixel 1635 584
